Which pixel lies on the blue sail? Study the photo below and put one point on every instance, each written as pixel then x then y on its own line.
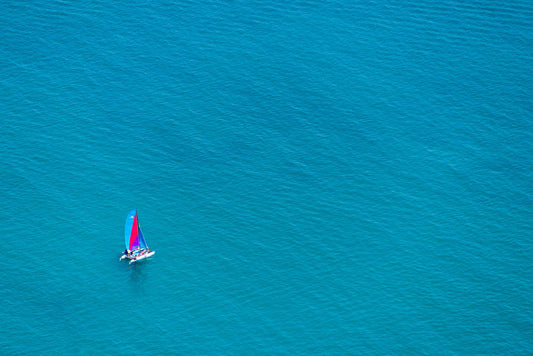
pixel 128 229
pixel 142 242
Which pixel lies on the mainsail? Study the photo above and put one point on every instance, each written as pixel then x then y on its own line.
pixel 133 234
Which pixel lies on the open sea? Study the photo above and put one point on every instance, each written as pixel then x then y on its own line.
pixel 316 177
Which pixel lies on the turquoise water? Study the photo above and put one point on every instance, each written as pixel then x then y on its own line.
pixel 315 177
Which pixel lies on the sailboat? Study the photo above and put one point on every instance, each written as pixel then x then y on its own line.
pixel 136 247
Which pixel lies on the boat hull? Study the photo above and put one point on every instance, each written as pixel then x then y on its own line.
pixel 142 257
pixel 138 257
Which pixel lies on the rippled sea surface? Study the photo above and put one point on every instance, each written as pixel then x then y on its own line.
pixel 316 177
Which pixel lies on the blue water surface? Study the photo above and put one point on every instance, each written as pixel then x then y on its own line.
pixel 316 177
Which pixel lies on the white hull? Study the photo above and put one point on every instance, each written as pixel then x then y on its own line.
pixel 138 257
pixel 142 257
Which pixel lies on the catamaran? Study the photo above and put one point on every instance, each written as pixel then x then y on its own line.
pixel 136 247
